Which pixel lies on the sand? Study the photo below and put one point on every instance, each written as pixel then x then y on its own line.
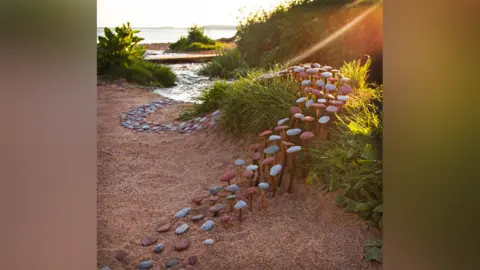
pixel 143 179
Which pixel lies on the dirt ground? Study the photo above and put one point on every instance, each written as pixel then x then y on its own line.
pixel 144 178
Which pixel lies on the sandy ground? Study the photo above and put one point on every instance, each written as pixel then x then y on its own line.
pixel 143 179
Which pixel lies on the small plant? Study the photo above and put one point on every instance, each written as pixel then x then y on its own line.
pixel 229 63
pixel 196 40
pixel 119 56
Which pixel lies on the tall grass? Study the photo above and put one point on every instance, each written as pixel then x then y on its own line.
pixel 357 72
pixel 228 64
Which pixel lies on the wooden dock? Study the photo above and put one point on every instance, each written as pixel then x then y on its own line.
pixel 185 58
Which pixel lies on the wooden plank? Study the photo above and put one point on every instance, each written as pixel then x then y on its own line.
pixel 180 58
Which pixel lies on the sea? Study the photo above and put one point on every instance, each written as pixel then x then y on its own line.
pixel 159 35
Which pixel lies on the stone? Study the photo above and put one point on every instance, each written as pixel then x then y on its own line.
pixel 208 225
pixel 182 228
pixel 216 189
pixel 181 245
pixel 216 208
pixel 192 260
pixel 149 240
pixel 197 200
pixel 145 127
pixel 197 217
pixel 163 228
pixel 182 213
pixel 105 268
pixel 209 242
pixel 172 263
pixel 158 248
pixel 145 264
pixel 121 255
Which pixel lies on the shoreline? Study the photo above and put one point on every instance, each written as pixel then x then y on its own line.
pixel 163 46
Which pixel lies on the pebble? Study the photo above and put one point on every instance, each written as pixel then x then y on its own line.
pixel 181 245
pixel 158 248
pixel 182 213
pixel 171 263
pixel 192 260
pixel 135 119
pixel 182 228
pixel 209 242
pixel 145 264
pixel 121 255
pixel 163 228
pixel 208 225
pixel 147 241
pixel 105 268
pixel 197 217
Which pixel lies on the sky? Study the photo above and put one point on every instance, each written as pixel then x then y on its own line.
pixel 176 13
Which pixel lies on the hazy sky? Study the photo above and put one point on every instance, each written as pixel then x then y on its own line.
pixel 177 13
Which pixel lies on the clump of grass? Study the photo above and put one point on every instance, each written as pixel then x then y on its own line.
pixel 208 101
pixel 228 64
pixel 357 72
pixel 144 73
pixel 196 40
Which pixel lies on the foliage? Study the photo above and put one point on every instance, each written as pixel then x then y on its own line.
pixel 290 29
pixel 373 249
pixel 119 56
pixel 351 160
pixel 115 49
pixel 228 64
pixel 248 105
pixel 208 101
pixel 357 72
pixel 196 40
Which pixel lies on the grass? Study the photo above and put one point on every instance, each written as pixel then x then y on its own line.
pixel 144 73
pixel 248 106
pixel 228 64
pixel 196 40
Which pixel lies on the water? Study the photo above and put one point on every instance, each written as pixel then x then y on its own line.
pixel 153 35
pixel 189 83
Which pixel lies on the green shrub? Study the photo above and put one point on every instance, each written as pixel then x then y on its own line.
pixel 196 40
pixel 118 56
pixel 228 64
pixel 357 72
pixel 289 30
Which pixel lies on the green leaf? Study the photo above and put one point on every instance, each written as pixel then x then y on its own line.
pixel 369 153
pixel 372 242
pixel 379 208
pixel 373 254
pixel 362 207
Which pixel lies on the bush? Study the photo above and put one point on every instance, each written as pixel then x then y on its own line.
pixel 196 40
pixel 118 56
pixel 248 106
pixel 228 64
pixel 291 29
pixel 351 160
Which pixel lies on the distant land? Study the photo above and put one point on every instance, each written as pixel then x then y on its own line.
pixel 206 27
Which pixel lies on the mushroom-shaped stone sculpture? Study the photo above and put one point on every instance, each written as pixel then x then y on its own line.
pixel 263 186
pixel 293 111
pixel 292 151
pixel 272 150
pixel 344 80
pixel 283 159
pixel 225 219
pixel 293 132
pixel 231 199
pixel 309 103
pixel 298 118
pixel 252 168
pixel 305 137
pixel 275 139
pixel 320 84
pixel 216 209
pixel 281 130
pixel 255 157
pixel 214 190
pixel 317 93
pixel 332 80
pixel 307 91
pixel 323 133
pixel 345 89
pixel 227 177
pixel 255 147
pixel 214 199
pixel 322 101
pixel 238 167
pixel 274 172
pixel 330 88
pixel 327 67
pixel 251 191
pixel 232 188
pixel 307 119
pixel 282 121
pixel 248 175
pixel 265 135
pixel 318 109
pixel 267 163
pixel 331 110
pixel 316 65
pixel 297 71
pixel 239 206
pixel 301 102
